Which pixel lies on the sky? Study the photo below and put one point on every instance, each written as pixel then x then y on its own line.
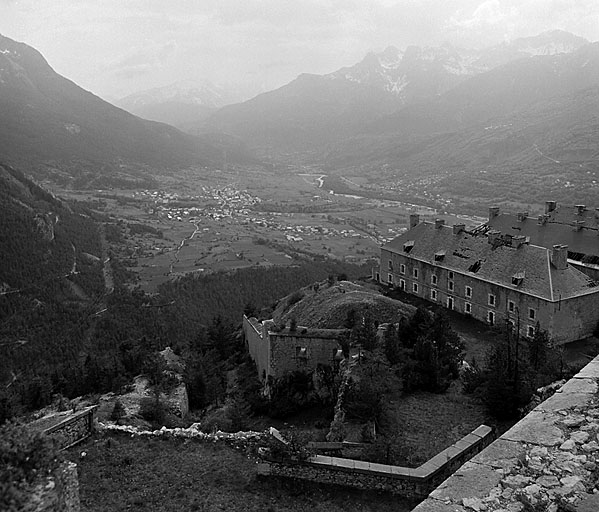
pixel 118 47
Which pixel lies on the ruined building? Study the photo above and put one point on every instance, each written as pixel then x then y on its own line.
pixel 498 278
pixel 278 351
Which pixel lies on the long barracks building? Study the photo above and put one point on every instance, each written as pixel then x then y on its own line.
pixel 493 277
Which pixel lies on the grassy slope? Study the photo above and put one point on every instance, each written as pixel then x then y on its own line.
pixel 123 473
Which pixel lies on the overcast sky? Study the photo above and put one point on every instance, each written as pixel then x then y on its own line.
pixel 116 47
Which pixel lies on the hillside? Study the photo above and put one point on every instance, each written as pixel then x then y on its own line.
pixel 329 306
pixel 314 110
pixel 54 128
pixel 516 133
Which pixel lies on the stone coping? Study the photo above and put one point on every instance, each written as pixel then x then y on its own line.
pixel 547 461
pixel 422 473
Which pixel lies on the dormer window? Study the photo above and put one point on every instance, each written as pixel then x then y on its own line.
pixel 408 246
pixel 439 255
pixel 518 278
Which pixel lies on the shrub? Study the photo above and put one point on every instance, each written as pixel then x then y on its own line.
pixel 152 410
pixel 118 411
pixel 24 457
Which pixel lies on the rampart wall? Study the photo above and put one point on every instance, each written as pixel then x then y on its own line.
pixel 399 480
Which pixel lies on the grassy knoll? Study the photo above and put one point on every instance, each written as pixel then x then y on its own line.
pixel 124 473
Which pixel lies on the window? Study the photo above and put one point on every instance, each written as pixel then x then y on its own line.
pixel 491 299
pixel 415 273
pixel 402 269
pixel 301 352
pixel 468 308
pixel 433 279
pixel 415 287
pixel 469 292
pixel 530 331
pixel 390 278
pixel 531 314
pixel 511 306
pixel 450 286
pixel 449 302
pixel 390 265
pixel 491 317
pixel 433 294
pixel 450 275
pixel 402 285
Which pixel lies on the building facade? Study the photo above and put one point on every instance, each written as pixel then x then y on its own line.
pixel 497 278
pixel 277 352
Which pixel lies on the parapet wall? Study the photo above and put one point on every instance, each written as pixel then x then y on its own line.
pixel 547 461
pixel 74 428
pixel 399 480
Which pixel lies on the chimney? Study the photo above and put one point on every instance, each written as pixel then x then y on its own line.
pixel 266 326
pixel 414 220
pixel 550 206
pixel 522 216
pixel 493 236
pixel 580 209
pixel 518 241
pixel 507 238
pixel 493 212
pixel 458 228
pixel 542 220
pixel 439 223
pixel 559 257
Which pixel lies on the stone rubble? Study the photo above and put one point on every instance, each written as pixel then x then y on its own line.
pixel 237 439
pixel 552 478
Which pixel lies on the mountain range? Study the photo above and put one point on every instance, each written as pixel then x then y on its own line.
pixel 320 109
pixel 53 128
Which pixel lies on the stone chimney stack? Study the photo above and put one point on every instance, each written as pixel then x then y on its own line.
pixel 559 257
pixel 550 206
pixel 414 220
pixel 439 223
pixel 458 228
pixel 580 209
pixel 493 236
pixel 493 212
pixel 518 241
pixel 522 216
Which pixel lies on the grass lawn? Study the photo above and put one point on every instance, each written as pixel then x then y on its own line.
pixel 145 474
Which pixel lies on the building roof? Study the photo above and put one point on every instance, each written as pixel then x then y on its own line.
pixel 558 229
pixel 527 268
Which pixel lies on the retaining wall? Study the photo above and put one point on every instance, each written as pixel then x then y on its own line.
pixel 407 482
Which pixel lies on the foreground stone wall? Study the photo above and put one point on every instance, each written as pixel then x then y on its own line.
pixel 403 481
pixel 58 493
pixel 73 429
pixel 548 461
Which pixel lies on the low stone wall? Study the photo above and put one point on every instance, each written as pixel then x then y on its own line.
pixel 73 429
pixel 407 482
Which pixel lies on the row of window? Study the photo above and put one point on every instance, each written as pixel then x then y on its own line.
pixel 492 299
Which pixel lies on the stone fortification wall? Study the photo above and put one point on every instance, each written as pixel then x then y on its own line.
pixel 57 493
pixel 279 352
pixel 74 428
pixel 547 461
pixel 574 318
pixel 407 482
pixel 294 351
pixel 258 347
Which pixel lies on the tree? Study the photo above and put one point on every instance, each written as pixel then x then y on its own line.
pixel 392 345
pixel 118 411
